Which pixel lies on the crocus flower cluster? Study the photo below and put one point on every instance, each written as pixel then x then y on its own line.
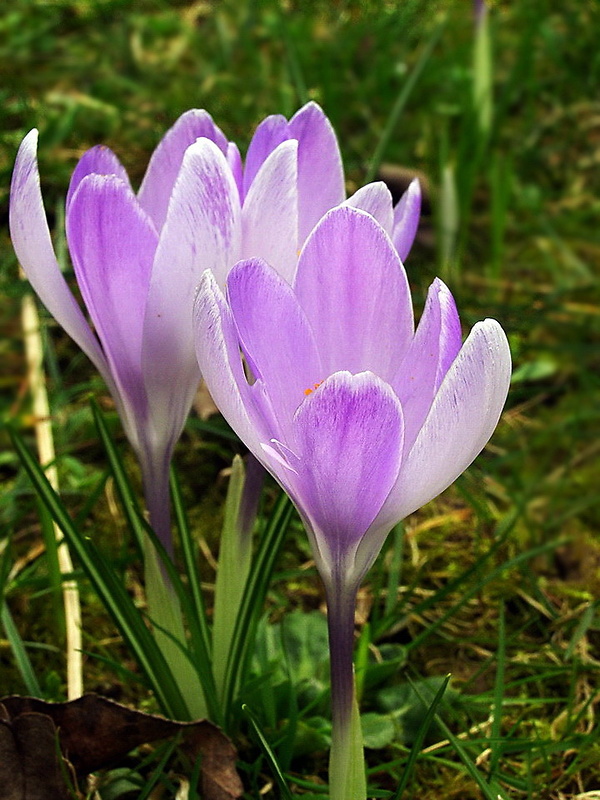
pixel 138 257
pixel 302 328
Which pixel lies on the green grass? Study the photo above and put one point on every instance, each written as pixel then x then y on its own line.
pixel 498 577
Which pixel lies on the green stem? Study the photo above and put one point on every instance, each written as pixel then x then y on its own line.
pixel 164 608
pixel 346 760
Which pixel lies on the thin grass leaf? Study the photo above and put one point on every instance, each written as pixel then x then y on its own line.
pixel 584 624
pixel 269 755
pixel 419 739
pixel 499 689
pixel 189 553
pixel 164 609
pixel 131 508
pixel 159 770
pixel 18 647
pixel 253 598
pixel 401 102
pixel 54 572
pixel 110 590
pixel 395 570
pixel 491 791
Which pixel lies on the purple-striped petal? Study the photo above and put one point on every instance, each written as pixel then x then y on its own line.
pixel 201 231
pixel 112 244
pixel 234 160
pixel 354 291
pixel 287 364
pixel 33 246
pixel 165 163
pixel 271 132
pixel 270 212
pixel 406 219
pixel 376 200
pixel 434 347
pixel 99 160
pixel 461 420
pixel 219 359
pixel 320 170
pixel 349 442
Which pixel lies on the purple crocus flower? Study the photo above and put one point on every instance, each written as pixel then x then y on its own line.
pixel 359 417
pixel 138 258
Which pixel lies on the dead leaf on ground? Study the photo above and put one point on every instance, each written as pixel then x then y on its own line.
pixel 94 733
pixel 30 764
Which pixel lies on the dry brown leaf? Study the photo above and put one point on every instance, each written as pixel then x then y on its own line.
pixel 94 733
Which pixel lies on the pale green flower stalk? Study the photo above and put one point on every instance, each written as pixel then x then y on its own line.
pixel 235 558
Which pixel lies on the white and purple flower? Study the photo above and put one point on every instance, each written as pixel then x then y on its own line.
pixel 138 257
pixel 361 418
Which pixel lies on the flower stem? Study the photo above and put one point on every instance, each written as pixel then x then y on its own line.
pixel 155 478
pixel 346 760
pixel 164 608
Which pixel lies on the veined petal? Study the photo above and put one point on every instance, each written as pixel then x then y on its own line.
pixel 33 246
pixel 156 188
pixel 270 212
pixel 434 347
pixel 287 363
pixel 406 219
pixel 271 132
pixel 99 160
pixel 112 244
pixel 219 359
pixel 462 418
pixel 320 170
pixel 354 291
pixel 376 200
pixel 234 160
pixel 349 441
pixel 201 231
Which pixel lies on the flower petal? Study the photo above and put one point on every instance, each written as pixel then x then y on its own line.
pixel 406 219
pixel 354 291
pixel 376 200
pixel 112 244
pixel 100 160
pixel 270 212
pixel 434 347
pixel 349 442
pixel 287 363
pixel 271 132
pixel 201 231
pixel 234 160
pixel 33 246
pixel 320 170
pixel 462 418
pixel 220 362
pixel 164 165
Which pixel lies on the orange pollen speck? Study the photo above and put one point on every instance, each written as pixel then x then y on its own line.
pixel 315 386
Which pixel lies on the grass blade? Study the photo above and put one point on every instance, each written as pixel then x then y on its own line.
pixel 419 739
pixel 164 604
pixel 131 508
pixel 22 659
pixel 495 733
pixel 269 755
pixel 253 598
pixel 110 590
pixel 189 553
pixel 401 101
